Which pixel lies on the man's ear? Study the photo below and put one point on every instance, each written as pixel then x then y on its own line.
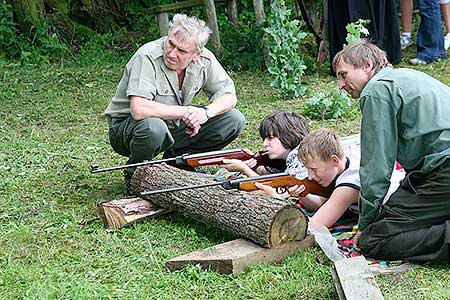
pixel 368 67
pixel 197 55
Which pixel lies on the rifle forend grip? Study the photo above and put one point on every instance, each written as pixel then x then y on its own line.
pixel 287 181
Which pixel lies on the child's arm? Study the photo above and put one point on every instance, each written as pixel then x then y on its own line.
pixel 245 167
pixel 341 199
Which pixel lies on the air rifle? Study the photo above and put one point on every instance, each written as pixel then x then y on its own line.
pixel 280 180
pixel 205 159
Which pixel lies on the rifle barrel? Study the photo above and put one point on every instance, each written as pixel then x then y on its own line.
pixel 95 169
pixel 180 188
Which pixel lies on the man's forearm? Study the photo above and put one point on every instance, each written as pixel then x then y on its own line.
pixel 223 104
pixel 142 108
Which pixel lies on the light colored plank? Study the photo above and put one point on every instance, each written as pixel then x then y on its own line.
pixel 235 256
pixel 126 211
pixel 356 280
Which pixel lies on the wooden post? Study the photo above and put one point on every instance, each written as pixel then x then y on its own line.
pixel 212 21
pixel 259 11
pixel 232 12
pixel 163 20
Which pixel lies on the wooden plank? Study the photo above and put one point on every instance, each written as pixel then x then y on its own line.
pixel 126 211
pixel 355 280
pixel 235 256
pixel 337 284
pixel 174 6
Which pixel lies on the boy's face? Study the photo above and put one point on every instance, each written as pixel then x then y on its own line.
pixel 324 172
pixel 274 147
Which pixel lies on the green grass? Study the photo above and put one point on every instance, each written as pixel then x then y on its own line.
pixel 52 242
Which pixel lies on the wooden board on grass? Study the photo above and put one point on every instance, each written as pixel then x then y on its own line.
pixel 126 211
pixel 235 256
pixel 354 281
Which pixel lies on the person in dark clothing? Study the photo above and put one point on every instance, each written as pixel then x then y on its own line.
pixel 383 26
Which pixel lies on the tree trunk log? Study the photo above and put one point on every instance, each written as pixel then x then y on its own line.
pixel 264 220
pixel 212 22
pixel 258 5
pixel 29 13
pixel 232 12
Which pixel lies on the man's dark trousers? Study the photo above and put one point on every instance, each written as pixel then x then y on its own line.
pixel 415 223
pixel 144 139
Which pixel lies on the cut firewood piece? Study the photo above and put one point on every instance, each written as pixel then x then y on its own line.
pixel 264 220
pixel 235 256
pixel 123 212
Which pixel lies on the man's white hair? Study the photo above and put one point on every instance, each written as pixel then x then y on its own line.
pixel 185 27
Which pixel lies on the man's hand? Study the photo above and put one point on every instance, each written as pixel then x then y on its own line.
pixel 195 117
pixel 356 239
pixel 192 131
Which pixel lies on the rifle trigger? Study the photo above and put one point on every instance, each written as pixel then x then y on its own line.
pixel 281 190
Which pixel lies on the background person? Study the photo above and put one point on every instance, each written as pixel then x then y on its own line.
pixel 406 9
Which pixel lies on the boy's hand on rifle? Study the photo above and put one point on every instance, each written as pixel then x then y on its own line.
pixel 296 190
pixel 235 165
pixel 268 190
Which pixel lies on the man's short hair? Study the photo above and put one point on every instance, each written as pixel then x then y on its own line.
pixel 320 144
pixel 359 54
pixel 289 127
pixel 185 27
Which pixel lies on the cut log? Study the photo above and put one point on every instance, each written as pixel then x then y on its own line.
pixel 235 256
pixel 123 212
pixel 264 220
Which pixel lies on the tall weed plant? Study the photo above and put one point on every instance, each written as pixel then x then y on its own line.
pixel 356 30
pixel 283 41
pixel 332 104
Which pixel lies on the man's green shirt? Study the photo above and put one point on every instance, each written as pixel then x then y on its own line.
pixel 405 117
pixel 147 76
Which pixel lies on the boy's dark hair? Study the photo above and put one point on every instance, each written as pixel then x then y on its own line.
pixel 289 127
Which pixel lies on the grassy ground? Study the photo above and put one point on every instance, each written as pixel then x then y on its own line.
pixel 53 244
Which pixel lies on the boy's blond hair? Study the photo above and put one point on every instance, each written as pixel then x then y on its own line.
pixel 320 144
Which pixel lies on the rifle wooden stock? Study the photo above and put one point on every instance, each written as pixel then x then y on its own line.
pixel 286 180
pixel 214 157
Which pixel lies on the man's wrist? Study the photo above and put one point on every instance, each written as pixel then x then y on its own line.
pixel 208 111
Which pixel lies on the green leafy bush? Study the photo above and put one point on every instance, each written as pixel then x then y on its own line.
pixel 8 31
pixel 283 43
pixel 328 105
pixel 243 48
pixel 355 30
